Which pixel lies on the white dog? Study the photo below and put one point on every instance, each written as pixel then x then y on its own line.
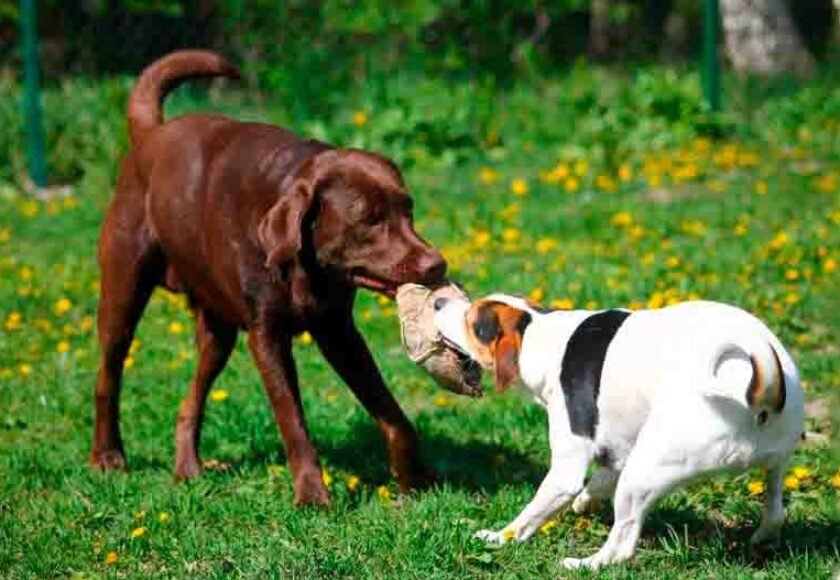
pixel 656 397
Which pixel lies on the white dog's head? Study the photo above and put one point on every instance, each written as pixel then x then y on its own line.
pixel 489 331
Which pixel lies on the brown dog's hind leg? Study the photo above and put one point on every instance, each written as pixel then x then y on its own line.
pixel 345 349
pixel 131 266
pixel 273 355
pixel 215 340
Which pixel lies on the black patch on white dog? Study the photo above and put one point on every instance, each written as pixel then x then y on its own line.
pixel 583 362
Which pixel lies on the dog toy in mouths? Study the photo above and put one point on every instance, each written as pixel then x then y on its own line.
pixel 425 346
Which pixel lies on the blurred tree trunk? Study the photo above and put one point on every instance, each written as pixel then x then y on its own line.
pixel 599 29
pixel 761 38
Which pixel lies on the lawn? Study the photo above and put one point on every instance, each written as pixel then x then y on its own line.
pixel 590 189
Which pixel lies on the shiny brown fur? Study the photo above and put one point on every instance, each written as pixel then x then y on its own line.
pixel 267 233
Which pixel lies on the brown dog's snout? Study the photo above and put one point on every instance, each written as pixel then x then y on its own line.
pixel 431 267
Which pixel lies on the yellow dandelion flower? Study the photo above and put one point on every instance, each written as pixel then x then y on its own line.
pixel 635 305
pixel 605 182
pixel 761 187
pixel 657 300
pixel 176 327
pixel 581 167
pixel 802 472
pixel 672 261
pixel 353 482
pixel 111 557
pixel 326 477
pixel 755 487
pixel 779 240
pixel 792 275
pixel 129 362
pixel 383 492
pixel 488 175
pixel 138 533
pixel 86 324
pixel 305 338
pixel 792 298
pixel 835 480
pixel 5 235
pixel 548 526
pixel 545 245
pixel 625 173
pixel 442 401
pixel 519 187
pixel 481 238
pixel 360 118
pixel 219 395
pixel 25 273
pixel 163 517
pixel 62 346
pixel 571 184
pixel 13 321
pixel 622 219
pixel 537 294
pixel 636 232
pixel 25 369
pixel 740 229
pixel 511 234
pixel 562 304
pixel 62 307
pixel 792 482
pixel 508 534
pixel 829 266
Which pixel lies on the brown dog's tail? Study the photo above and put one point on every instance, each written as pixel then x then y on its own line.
pixel 145 103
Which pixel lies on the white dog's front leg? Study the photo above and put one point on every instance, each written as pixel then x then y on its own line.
pixel 570 456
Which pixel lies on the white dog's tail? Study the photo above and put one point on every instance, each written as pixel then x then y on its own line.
pixel 756 364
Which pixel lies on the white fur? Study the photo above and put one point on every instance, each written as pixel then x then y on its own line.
pixel 672 406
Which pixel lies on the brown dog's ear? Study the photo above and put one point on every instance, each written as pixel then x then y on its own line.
pixel 280 231
pixel 506 360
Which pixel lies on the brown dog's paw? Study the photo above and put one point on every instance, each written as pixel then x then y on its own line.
pixel 311 491
pixel 110 460
pixel 187 469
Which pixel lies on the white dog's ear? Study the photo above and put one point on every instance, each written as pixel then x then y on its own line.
pixel 506 359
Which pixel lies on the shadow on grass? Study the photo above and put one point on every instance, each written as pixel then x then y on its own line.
pixel 797 538
pixel 469 465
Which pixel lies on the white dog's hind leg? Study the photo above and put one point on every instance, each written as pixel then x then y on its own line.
pixel 666 454
pixel 773 515
pixel 600 487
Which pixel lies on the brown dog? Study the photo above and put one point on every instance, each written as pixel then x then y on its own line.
pixel 264 232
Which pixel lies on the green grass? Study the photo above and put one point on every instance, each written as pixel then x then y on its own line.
pixel 691 218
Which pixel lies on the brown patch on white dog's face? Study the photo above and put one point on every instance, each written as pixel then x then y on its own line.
pixel 494 331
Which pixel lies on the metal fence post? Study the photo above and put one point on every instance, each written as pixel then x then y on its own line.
pixel 32 94
pixel 711 63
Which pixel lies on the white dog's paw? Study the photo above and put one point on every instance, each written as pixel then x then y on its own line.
pixel 499 538
pixel 585 503
pixel 576 563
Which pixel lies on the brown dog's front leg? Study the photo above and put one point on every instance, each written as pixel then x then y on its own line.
pixel 345 349
pixel 273 355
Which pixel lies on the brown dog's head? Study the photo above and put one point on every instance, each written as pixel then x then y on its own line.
pixel 489 330
pixel 354 208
